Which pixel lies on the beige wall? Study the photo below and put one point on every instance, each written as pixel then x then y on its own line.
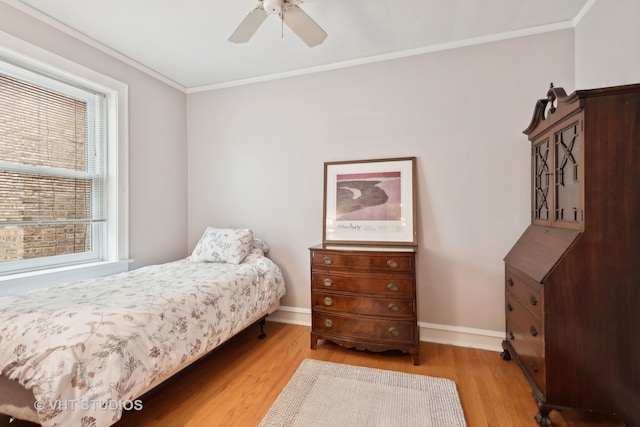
pixel 607 45
pixel 157 140
pixel 256 157
pixel 256 152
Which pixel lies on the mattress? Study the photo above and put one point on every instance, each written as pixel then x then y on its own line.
pixel 86 350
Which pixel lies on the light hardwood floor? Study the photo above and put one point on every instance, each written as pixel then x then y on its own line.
pixel 236 384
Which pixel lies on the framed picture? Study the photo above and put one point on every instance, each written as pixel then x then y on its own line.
pixel 370 202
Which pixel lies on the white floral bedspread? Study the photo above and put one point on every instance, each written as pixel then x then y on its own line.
pixel 87 349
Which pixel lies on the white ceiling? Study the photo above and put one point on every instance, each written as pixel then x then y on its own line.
pixel 186 41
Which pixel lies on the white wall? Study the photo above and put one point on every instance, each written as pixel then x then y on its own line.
pixel 608 45
pixel 157 140
pixel 256 157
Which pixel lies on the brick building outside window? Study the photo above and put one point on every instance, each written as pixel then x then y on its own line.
pixel 51 173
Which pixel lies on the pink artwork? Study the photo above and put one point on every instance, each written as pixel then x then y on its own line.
pixel 372 196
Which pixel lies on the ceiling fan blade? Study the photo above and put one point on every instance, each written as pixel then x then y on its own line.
pixel 305 27
pixel 249 25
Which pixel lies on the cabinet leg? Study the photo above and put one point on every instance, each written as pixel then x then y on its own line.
pixel 542 417
pixel 314 341
pixel 505 353
pixel 543 420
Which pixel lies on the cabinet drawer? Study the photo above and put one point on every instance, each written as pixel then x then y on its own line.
pixel 526 290
pixel 355 327
pixel 525 333
pixel 385 285
pixel 535 365
pixel 524 330
pixel 358 304
pixel 378 261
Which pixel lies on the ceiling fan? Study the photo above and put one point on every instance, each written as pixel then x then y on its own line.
pixel 289 12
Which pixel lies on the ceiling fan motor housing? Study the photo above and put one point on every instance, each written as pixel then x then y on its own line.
pixel 273 7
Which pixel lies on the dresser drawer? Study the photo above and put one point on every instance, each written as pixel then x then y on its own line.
pixel 355 327
pixel 378 261
pixel 392 285
pixel 526 290
pixel 358 304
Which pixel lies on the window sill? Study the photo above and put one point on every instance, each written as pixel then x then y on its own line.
pixel 22 282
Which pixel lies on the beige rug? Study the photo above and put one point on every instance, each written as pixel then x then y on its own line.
pixel 335 395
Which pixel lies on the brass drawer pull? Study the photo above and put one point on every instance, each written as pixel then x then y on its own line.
pixel 327 301
pixel 393 287
pixel 534 367
pixel 509 307
pixel 393 307
pixel 328 323
pixel 327 260
pixel 392 264
pixel 533 300
pixel 533 331
pixel 511 336
pixel 510 281
pixel 327 282
pixel 394 331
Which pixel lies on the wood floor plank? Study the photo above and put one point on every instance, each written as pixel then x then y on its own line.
pixel 236 384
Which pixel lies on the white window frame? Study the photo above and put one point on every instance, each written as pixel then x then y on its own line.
pixel 116 255
pixel 96 169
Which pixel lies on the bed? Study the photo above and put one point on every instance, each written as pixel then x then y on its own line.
pixel 78 354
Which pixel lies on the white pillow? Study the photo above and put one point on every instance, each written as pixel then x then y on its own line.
pixel 262 245
pixel 223 245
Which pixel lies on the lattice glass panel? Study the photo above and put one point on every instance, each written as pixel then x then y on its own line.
pixel 541 180
pixel 567 177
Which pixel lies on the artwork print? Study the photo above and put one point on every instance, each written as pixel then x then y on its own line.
pixel 370 202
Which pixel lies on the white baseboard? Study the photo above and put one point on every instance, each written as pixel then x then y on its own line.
pixel 482 339
pixel 292 315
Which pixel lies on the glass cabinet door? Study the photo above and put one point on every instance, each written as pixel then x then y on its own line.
pixel 557 171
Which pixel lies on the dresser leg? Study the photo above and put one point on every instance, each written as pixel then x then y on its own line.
pixel 415 356
pixel 314 341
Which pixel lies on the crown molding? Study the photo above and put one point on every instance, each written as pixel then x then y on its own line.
pixel 569 24
pixel 390 56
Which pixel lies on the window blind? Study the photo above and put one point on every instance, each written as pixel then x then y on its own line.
pixel 52 171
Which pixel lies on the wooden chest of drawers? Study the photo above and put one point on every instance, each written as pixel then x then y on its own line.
pixel 365 298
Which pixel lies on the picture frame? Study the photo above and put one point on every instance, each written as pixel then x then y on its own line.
pixel 370 202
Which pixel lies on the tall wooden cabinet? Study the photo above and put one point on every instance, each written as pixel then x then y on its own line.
pixel 572 280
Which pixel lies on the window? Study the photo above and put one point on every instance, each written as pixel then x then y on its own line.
pixel 52 172
pixel 61 158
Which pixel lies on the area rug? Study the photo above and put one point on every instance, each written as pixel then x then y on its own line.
pixel 327 394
